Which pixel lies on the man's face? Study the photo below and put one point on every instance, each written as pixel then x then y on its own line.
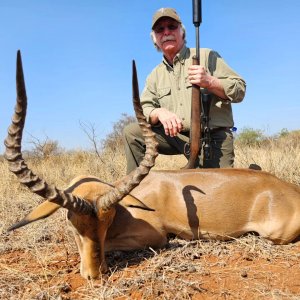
pixel 168 35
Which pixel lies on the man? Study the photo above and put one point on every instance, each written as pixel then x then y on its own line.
pixel 166 98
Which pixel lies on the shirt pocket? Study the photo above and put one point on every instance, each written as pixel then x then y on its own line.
pixel 164 98
pixel 188 90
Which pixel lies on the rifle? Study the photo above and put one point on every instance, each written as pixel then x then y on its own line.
pixel 195 131
pixel 207 150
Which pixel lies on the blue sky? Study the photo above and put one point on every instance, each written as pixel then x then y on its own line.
pixel 77 60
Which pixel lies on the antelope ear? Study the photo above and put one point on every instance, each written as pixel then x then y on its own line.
pixel 255 167
pixel 42 211
pixel 131 201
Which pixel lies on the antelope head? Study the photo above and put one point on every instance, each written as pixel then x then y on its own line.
pixel 90 216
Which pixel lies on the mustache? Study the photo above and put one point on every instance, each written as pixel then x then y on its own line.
pixel 168 38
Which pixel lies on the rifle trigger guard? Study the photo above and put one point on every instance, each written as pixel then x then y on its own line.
pixel 187 149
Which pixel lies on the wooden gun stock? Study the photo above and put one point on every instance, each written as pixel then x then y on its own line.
pixel 195 131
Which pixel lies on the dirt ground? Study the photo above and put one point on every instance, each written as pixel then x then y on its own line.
pixel 247 268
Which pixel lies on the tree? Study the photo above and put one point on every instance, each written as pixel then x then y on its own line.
pixel 284 132
pixel 44 148
pixel 250 136
pixel 115 138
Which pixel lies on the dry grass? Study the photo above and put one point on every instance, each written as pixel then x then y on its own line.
pixel 40 261
pixel 279 157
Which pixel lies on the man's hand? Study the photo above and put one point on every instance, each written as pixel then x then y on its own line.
pixel 199 76
pixel 172 124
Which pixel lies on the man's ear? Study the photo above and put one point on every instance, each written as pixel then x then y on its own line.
pixel 182 31
pixel 153 36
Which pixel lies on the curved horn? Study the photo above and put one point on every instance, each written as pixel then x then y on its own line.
pixel 125 185
pixel 17 164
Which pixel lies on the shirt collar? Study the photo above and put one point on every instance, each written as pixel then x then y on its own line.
pixel 182 55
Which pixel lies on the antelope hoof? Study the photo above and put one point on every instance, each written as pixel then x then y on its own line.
pixel 103 268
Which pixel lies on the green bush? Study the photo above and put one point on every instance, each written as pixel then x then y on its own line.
pixel 250 137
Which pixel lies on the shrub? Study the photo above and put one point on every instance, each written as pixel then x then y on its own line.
pixel 44 148
pixel 250 137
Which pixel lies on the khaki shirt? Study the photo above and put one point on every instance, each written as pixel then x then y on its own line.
pixel 168 86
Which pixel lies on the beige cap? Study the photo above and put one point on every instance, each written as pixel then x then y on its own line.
pixel 165 12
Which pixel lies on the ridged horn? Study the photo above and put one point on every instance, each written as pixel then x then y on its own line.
pixel 126 184
pixel 17 165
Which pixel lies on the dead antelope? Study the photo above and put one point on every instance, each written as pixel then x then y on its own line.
pixel 142 209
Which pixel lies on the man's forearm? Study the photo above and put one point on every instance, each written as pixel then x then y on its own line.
pixel 215 87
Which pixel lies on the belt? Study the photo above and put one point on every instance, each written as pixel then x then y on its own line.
pixel 217 129
pixel 211 130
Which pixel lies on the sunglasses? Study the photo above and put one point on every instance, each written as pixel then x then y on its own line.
pixel 161 29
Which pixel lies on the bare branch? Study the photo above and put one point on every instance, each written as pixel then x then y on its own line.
pixel 90 131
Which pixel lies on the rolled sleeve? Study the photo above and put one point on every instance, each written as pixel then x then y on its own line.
pixel 234 85
pixel 234 88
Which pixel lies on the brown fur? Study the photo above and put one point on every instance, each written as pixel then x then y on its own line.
pixel 192 204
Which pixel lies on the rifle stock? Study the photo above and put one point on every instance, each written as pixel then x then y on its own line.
pixel 195 131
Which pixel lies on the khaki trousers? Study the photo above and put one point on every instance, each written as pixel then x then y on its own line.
pixel 222 147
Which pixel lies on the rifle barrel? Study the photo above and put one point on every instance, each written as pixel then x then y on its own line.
pixel 197 44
